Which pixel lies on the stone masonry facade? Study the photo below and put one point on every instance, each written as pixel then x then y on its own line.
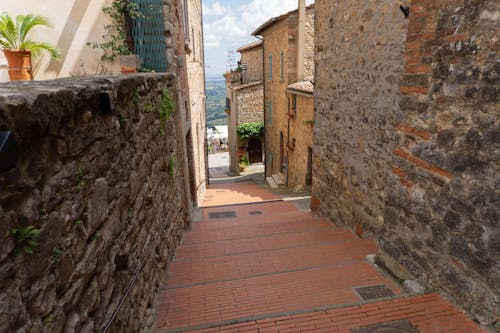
pixel 245 95
pixel 99 175
pixel 406 137
pixel 280 70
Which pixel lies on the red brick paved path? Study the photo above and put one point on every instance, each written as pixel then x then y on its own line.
pixel 283 271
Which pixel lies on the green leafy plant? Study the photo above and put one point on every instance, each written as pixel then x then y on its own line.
pixel 136 98
pixel 166 107
pixel 244 159
pixel 308 122
pixel 248 131
pixel 115 43
pixel 146 70
pixel 78 223
pixel 56 255
pixel 13 34
pixel 43 215
pixel 82 178
pixel 48 319
pixel 26 238
pixel 171 166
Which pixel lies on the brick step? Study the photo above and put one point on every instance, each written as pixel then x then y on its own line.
pixel 286 292
pixel 261 208
pixel 206 233
pixel 279 179
pixel 429 313
pixel 262 243
pixel 272 184
pixel 231 267
pixel 252 220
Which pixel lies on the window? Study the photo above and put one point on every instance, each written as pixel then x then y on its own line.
pixel 270 114
pixel 294 102
pixel 282 66
pixel 228 103
pixel 270 67
pixel 185 21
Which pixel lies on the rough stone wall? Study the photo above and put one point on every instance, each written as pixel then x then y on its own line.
pixel 253 58
pixel 303 135
pixel 250 101
pixel 103 190
pixel 309 43
pixel 418 169
pixel 196 83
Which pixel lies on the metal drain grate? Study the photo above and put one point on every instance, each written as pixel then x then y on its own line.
pixel 400 326
pixel 221 215
pixel 373 292
pixel 255 212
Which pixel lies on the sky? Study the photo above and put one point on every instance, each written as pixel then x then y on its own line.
pixel 228 24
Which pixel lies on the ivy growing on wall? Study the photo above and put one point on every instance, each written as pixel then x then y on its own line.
pixel 115 43
pixel 248 131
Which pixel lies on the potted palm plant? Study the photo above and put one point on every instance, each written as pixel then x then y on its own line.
pixel 18 49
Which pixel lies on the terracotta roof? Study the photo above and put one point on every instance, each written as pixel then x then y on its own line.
pixel 243 86
pixel 306 86
pixel 276 19
pixel 250 46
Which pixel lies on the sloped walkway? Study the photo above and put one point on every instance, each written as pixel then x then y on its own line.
pixel 268 267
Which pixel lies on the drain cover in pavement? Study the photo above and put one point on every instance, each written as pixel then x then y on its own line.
pixel 221 215
pixel 255 212
pixel 400 326
pixel 373 292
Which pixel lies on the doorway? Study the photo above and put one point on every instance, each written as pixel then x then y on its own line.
pixel 309 166
pixel 255 150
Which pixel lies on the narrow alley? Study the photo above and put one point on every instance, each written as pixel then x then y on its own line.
pixel 255 263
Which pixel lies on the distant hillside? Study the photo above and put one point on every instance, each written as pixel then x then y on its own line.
pixel 216 101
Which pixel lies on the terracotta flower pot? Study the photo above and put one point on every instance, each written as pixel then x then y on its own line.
pixel 20 68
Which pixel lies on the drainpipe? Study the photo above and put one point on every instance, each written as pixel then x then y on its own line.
pixel 301 34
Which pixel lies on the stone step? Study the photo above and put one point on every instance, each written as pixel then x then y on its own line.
pixel 270 181
pixel 278 178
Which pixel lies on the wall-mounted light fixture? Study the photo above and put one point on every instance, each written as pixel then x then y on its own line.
pixel 9 151
pixel 405 10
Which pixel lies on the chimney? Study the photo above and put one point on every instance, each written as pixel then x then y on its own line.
pixel 301 36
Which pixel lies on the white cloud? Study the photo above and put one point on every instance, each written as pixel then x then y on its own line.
pixel 228 28
pixel 215 10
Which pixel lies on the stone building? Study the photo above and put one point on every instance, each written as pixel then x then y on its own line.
pixel 195 99
pixel 288 59
pixel 244 103
pixel 406 138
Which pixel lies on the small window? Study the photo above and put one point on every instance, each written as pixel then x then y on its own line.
pixel 270 67
pixel 282 66
pixel 294 102
pixel 228 103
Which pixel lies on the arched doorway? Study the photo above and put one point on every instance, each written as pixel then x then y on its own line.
pixel 255 150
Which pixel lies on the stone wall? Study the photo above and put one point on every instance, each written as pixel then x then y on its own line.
pixel 104 188
pixel 253 58
pixel 250 103
pixel 406 137
pixel 196 83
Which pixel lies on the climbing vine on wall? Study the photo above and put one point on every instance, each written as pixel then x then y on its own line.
pixel 248 131
pixel 115 41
